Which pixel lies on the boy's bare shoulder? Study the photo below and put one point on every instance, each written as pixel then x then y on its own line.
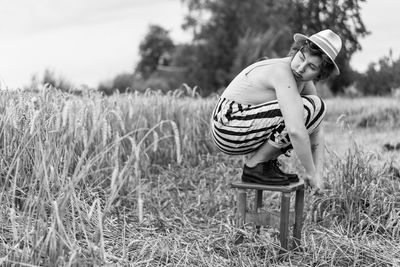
pixel 279 68
pixel 267 74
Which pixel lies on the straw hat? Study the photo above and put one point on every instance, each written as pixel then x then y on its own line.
pixel 329 42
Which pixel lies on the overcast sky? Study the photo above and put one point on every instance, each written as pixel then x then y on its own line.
pixel 90 41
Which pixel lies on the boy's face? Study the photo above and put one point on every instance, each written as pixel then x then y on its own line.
pixel 305 67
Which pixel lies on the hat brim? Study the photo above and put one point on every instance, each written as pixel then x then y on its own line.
pixel 300 37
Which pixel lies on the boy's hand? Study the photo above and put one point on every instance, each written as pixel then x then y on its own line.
pixel 316 183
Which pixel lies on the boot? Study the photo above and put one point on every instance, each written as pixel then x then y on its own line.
pixel 293 178
pixel 263 175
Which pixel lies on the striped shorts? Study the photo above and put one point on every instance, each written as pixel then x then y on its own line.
pixel 239 129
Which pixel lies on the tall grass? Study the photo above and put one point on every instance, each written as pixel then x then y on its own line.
pixel 135 180
pixel 366 112
pixel 359 218
pixel 69 162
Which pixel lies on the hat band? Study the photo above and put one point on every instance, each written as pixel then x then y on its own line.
pixel 325 45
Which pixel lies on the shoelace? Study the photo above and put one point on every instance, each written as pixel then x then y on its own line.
pixel 276 164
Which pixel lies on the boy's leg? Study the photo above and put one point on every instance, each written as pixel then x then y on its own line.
pixel 265 153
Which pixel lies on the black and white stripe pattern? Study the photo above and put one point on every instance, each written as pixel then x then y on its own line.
pixel 240 129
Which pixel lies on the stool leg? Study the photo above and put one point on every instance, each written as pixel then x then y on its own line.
pixel 240 214
pixel 298 223
pixel 284 221
pixel 258 205
pixel 241 207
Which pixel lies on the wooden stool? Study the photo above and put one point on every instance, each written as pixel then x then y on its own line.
pixel 281 221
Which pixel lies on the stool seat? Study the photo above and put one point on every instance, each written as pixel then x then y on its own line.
pixel 280 188
pixel 282 220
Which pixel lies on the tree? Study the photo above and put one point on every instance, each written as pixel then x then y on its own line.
pixel 381 78
pixel 49 77
pixel 155 44
pixel 123 82
pixel 341 16
pixel 234 25
pixel 217 38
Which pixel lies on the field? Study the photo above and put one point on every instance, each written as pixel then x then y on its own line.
pixel 134 180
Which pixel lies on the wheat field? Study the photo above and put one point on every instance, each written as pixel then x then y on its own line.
pixel 135 180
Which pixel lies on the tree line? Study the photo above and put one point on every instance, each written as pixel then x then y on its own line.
pixel 228 35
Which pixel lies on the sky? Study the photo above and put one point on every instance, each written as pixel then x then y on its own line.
pixel 92 41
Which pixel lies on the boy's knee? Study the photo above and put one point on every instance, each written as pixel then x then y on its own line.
pixel 314 103
pixel 315 110
pixel 313 100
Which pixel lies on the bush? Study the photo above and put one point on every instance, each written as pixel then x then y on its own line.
pixel 380 78
pixel 50 79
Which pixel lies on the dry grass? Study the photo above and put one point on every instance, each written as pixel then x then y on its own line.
pixel 365 112
pixel 135 180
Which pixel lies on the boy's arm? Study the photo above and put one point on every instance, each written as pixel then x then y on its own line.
pixel 309 89
pixel 317 141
